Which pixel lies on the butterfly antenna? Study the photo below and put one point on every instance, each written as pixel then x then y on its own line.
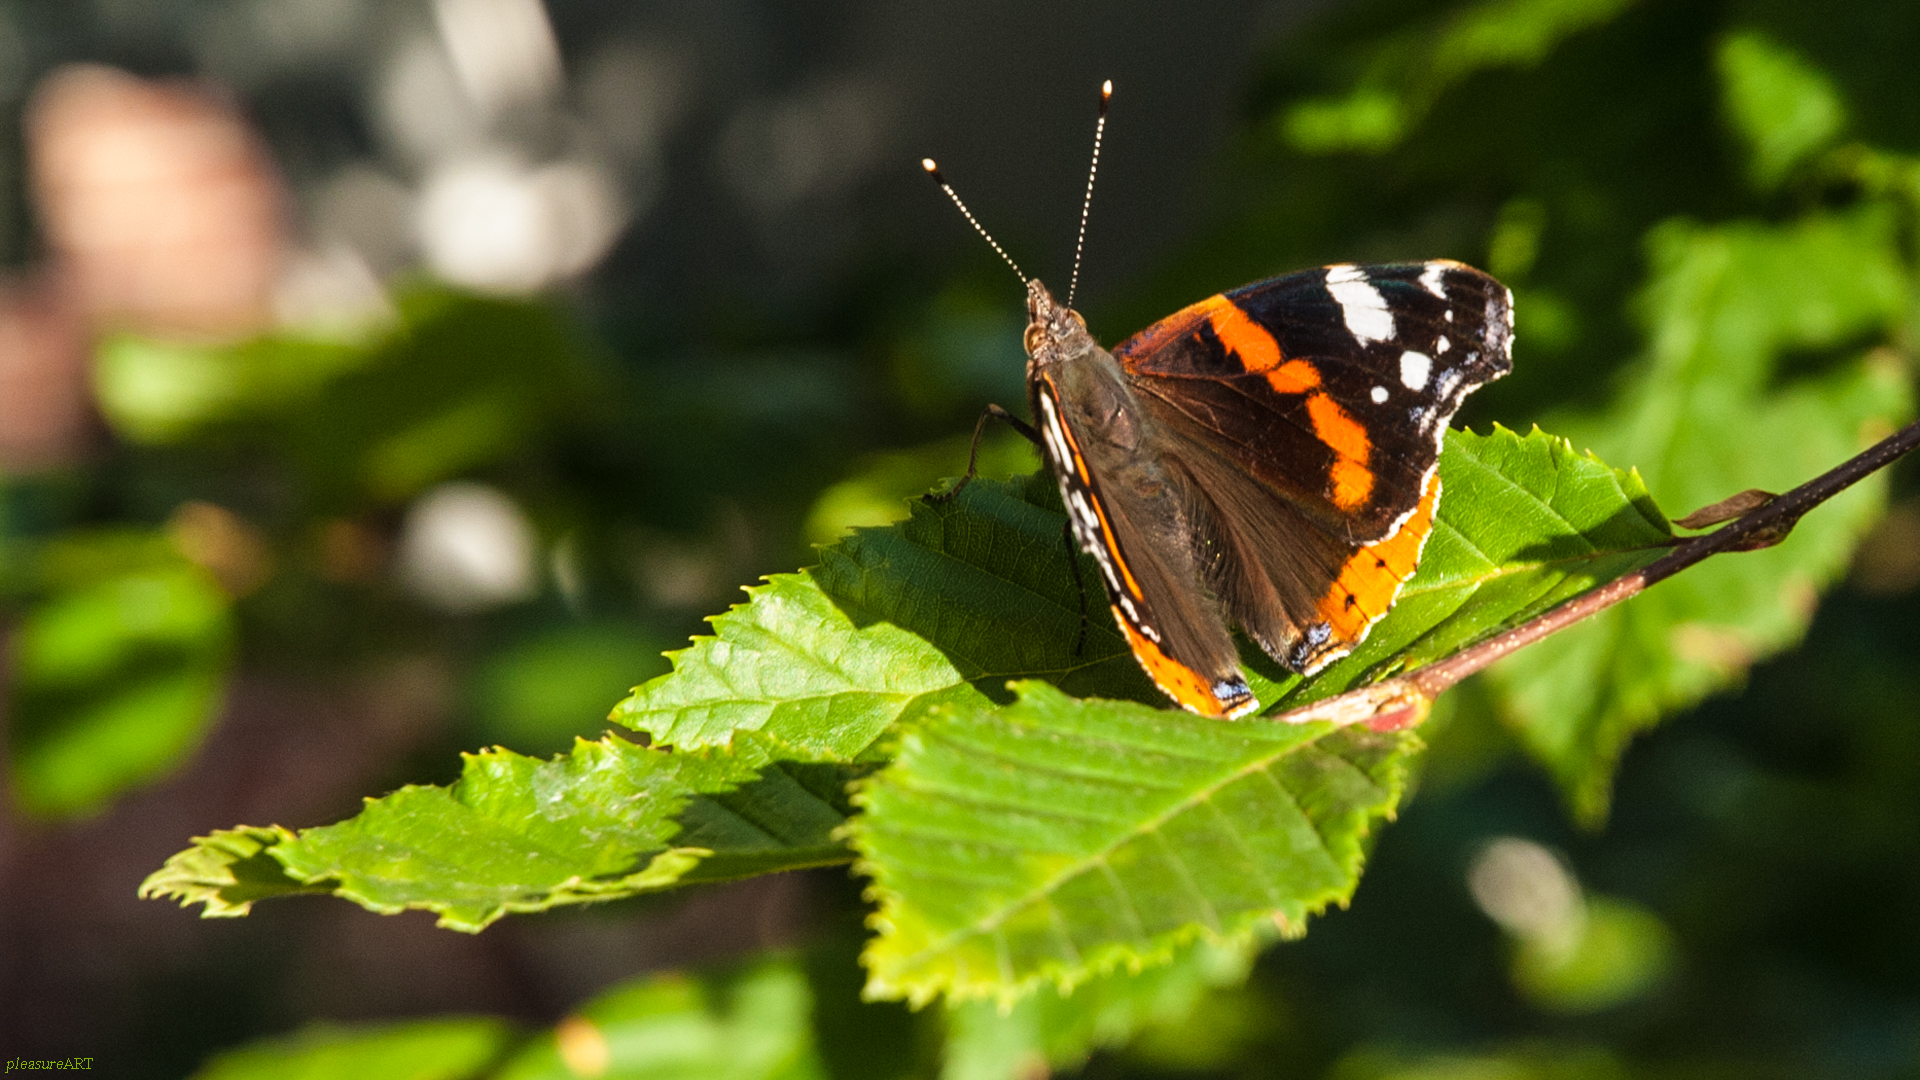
pixel 1080 243
pixel 934 171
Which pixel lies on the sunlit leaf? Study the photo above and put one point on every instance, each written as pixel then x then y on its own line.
pixel 976 590
pixel 227 871
pixel 517 834
pixel 1054 840
pixel 793 665
pixel 937 613
pixel 1622 952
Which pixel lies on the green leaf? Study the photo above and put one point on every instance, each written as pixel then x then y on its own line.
pixel 754 1025
pixel 518 834
pixel 1407 72
pixel 1702 419
pixel 979 590
pixel 1053 840
pixel 1050 1031
pixel 988 579
pixel 1783 107
pixel 117 670
pixel 787 818
pixel 796 667
pixel 1622 952
pixel 227 871
pixel 454 1048
pixel 1513 33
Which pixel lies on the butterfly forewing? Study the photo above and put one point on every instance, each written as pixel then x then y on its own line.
pixel 1332 386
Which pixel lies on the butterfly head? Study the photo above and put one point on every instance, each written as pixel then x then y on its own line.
pixel 1051 326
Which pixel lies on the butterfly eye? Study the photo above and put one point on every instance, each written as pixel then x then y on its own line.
pixel 1035 335
pixel 1077 320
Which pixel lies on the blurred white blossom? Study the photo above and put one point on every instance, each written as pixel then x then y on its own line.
pixel 466 547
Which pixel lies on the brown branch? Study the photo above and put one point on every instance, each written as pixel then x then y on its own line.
pixel 1403 700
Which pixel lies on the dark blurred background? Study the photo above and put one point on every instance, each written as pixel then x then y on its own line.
pixel 439 364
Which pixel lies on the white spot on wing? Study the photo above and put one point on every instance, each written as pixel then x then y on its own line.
pixel 1441 346
pixel 1379 395
pixel 1431 279
pixel 1415 367
pixel 1364 308
pixel 1449 314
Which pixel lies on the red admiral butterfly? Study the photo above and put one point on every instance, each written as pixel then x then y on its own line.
pixel 1267 456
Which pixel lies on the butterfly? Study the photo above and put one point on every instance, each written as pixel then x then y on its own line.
pixel 1267 457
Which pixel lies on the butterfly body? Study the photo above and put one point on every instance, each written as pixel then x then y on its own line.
pixel 1266 457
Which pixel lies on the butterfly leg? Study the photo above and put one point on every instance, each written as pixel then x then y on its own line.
pixel 1073 562
pixel 993 412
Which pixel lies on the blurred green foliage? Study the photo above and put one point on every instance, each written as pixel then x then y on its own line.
pixel 116 666
pixel 751 1024
pixel 446 1049
pixel 1707 213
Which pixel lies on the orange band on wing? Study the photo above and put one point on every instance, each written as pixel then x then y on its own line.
pixel 1350 483
pixel 1371 579
pixel 1351 479
pixel 1187 687
pixel 1333 426
pixel 1249 340
pixel 1113 550
pixel 1293 377
pixel 1257 350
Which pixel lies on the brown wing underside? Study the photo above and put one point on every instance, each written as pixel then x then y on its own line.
pixel 1141 539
